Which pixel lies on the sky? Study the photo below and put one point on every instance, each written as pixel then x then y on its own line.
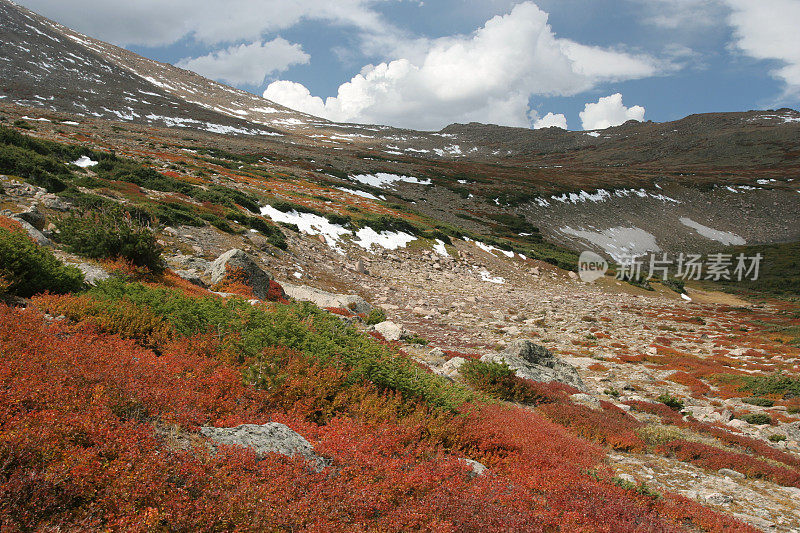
pixel 575 64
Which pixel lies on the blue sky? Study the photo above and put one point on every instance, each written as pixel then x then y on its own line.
pixel 426 64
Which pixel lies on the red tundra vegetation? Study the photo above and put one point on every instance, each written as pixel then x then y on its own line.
pixel 98 431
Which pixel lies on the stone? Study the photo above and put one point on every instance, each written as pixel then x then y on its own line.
pixel 451 367
pixel 33 217
pixel 237 260
pixel 34 233
pixel 537 363
pixel 389 330
pixel 92 274
pixel 324 299
pixel 716 498
pixel 192 277
pixel 585 399
pixel 437 353
pixel 360 267
pixel 627 478
pixel 476 469
pixel 265 439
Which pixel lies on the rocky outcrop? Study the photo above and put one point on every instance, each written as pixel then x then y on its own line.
pixel 238 264
pixel 323 299
pixel 389 330
pixel 265 439
pixel 537 363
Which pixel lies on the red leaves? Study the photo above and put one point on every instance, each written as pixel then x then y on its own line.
pixel 715 458
pixel 610 426
pixel 97 433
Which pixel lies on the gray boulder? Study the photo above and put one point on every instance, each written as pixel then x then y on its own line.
pixel 323 299
pixel 93 274
pixel 237 260
pixel 34 233
pixel 476 469
pixel 265 439
pixel 537 363
pixel 390 330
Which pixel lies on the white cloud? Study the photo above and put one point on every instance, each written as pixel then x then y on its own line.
pixel 550 120
pixel 488 76
pixel 159 22
pixel 770 29
pixel 248 63
pixel 682 15
pixel 609 111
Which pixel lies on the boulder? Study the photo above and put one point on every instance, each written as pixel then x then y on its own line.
pixel 33 217
pixel 476 469
pixel 390 330
pixel 93 274
pixel 265 439
pixel 324 299
pixel 34 233
pixel 238 261
pixel 451 367
pixel 537 363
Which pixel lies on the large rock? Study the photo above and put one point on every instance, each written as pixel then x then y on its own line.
pixel 238 261
pixel 537 363
pixel 389 330
pixel 265 439
pixel 323 299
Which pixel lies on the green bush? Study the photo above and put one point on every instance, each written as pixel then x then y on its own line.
pixel 318 335
pixel 27 269
pixel 671 401
pixel 761 402
pixel 786 386
pixel 376 316
pixel 777 438
pixel 110 235
pixel 757 419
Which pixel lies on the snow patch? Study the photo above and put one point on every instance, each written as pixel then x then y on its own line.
pixel 724 237
pixel 382 179
pixel 440 249
pixel 619 242
pixel 84 162
pixel 309 223
pixel 391 240
pixel 487 276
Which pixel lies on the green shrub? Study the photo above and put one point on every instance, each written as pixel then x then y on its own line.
pixel 110 235
pixel 785 386
pixel 777 438
pixel 757 419
pixel 317 335
pixel 27 269
pixel 671 401
pixel 376 316
pixel 761 402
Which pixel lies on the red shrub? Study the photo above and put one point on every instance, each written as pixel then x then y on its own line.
pixel 715 458
pixel 610 426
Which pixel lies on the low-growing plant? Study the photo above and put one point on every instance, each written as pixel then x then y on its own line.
pixel 777 438
pixel 676 404
pixel 375 316
pixel 757 419
pixel 110 234
pixel 27 268
pixel 761 402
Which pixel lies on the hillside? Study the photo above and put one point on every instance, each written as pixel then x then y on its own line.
pixel 217 313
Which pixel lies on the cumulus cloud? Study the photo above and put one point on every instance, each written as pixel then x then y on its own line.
pixel 159 23
pixel 768 29
pixel 551 120
pixel 609 111
pixel 248 63
pixel 488 76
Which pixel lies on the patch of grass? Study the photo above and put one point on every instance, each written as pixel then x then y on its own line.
pixel 777 438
